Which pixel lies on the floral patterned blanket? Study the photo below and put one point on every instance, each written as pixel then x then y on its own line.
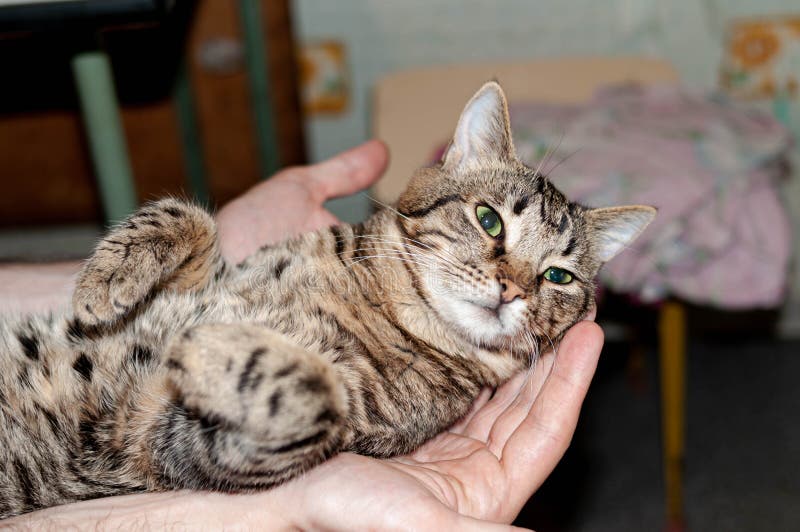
pixel 722 235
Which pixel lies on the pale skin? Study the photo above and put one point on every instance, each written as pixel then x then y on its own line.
pixel 475 476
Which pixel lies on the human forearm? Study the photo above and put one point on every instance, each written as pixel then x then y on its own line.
pixel 36 287
pixel 171 510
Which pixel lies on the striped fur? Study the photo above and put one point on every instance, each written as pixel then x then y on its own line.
pixel 175 370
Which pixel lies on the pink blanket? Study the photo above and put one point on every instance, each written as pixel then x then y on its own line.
pixel 722 236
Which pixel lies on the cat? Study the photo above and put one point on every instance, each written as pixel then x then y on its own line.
pixel 176 370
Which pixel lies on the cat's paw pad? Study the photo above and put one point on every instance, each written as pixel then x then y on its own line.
pixel 167 244
pixel 91 304
pixel 113 283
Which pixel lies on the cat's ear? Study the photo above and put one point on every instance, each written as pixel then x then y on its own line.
pixel 612 229
pixel 483 131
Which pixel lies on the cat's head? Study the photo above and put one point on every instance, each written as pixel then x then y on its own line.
pixel 502 254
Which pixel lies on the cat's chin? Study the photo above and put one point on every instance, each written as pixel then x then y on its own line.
pixel 487 326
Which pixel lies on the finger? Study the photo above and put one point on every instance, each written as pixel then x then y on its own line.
pixel 518 410
pixel 321 218
pixel 534 449
pixel 350 171
pixel 463 523
pixel 479 402
pixel 481 423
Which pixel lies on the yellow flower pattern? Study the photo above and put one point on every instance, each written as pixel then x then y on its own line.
pixel 762 57
pixel 755 46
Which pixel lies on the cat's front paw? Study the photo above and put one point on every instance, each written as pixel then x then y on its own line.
pixel 169 243
pixel 111 287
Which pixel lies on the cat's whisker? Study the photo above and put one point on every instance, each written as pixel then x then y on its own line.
pixel 395 252
pixel 385 237
pixel 543 160
pixel 382 204
pixel 423 256
pixel 433 250
pixel 528 371
pixel 389 253
pixel 401 249
pixel 552 152
pixel 428 246
pixel 552 345
pixel 533 355
pixel 210 428
pixel 362 259
pixel 453 259
pixel 563 160
pixel 374 248
pixel 555 354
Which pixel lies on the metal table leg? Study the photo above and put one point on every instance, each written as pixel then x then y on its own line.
pixel 192 145
pixel 261 97
pixel 101 118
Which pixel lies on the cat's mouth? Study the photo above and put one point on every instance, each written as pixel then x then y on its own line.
pixel 497 309
pixel 496 320
pixel 493 311
pixel 482 319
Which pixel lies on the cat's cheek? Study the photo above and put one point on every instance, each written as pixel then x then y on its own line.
pixel 559 307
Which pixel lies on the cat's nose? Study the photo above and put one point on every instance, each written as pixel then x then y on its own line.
pixel 510 291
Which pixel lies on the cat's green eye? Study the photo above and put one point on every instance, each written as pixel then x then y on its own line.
pixel 557 275
pixel 489 220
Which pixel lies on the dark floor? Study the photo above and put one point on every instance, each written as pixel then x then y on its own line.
pixel 743 445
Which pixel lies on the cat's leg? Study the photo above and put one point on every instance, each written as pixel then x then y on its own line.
pixel 247 409
pixel 167 244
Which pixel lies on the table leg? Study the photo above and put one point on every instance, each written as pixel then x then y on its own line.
pixel 190 137
pixel 672 354
pixel 260 94
pixel 101 118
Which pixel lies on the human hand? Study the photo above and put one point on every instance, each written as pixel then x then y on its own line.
pixel 480 472
pixel 472 477
pixel 291 202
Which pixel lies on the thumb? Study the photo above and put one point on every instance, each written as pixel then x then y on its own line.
pixel 350 171
pixel 534 449
pixel 462 523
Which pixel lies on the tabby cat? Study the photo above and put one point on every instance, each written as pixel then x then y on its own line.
pixel 175 370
